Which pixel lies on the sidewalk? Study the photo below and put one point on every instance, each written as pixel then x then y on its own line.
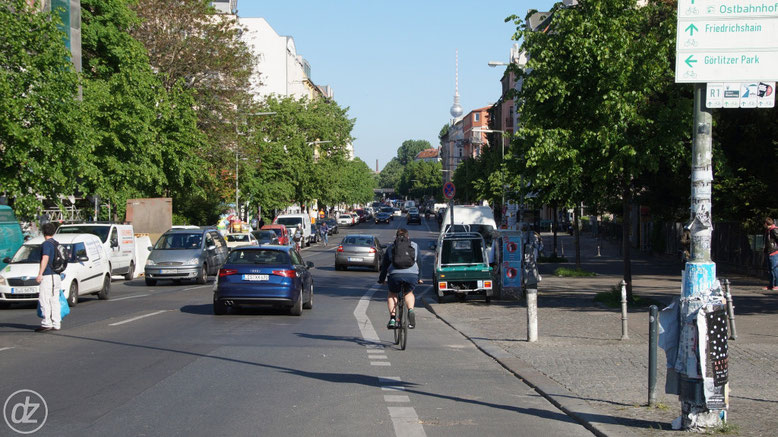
pixel 580 363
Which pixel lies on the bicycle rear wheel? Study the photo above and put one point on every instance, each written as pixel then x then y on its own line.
pixel 398 318
pixel 403 326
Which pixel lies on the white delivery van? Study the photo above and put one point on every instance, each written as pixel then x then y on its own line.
pixel 291 221
pixel 472 219
pixel 118 242
pixel 86 273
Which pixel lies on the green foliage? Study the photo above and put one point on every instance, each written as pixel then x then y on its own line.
pixel 612 299
pixel 43 142
pixel 410 148
pixel 566 272
pixel 390 175
pixel 420 178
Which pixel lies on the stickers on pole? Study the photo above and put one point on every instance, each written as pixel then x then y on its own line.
pixel 740 95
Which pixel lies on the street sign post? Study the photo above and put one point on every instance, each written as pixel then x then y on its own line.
pixel 726 41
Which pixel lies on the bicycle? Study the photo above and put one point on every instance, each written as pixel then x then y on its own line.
pixel 401 315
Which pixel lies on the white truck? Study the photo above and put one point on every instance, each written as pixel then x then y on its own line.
pixel 117 240
pixel 472 219
pixel 291 221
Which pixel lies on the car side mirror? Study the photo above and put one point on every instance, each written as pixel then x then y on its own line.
pixel 212 247
pixel 7 260
pixel 150 248
pixel 309 264
pixel 114 243
pixel 83 258
pixel 384 246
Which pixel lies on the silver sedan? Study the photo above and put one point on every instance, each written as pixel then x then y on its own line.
pixel 359 250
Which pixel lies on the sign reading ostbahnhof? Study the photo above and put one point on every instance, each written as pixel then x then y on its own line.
pixel 727 41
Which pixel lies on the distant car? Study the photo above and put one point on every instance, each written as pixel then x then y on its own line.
pixel 186 254
pixel 264 276
pixel 240 239
pixel 266 237
pixel 87 271
pixel 333 225
pixel 281 232
pixel 413 216
pixel 361 215
pixel 359 250
pixel 397 212
pixel 383 217
pixel 354 218
pixel 345 220
pixel 389 210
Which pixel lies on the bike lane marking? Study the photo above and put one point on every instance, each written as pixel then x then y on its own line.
pixel 5 348
pixel 129 297
pixel 138 318
pixel 404 419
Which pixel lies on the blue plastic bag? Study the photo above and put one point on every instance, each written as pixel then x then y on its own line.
pixel 63 305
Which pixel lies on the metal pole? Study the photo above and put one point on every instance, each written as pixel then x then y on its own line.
pixel 237 208
pixel 653 338
pixel 451 209
pixel 730 311
pixel 532 313
pixel 624 325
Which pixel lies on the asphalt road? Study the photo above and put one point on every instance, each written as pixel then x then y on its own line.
pixel 156 361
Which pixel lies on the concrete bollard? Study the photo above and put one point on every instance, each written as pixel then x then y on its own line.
pixel 532 314
pixel 624 325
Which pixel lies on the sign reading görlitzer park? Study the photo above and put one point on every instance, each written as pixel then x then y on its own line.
pixel 727 41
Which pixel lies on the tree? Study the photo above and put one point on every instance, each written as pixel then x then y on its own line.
pixel 390 175
pixel 44 142
pixel 420 179
pixel 599 106
pixel 410 148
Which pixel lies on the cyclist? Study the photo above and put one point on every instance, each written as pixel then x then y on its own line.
pixel 401 274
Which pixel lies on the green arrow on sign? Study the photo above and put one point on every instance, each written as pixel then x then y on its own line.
pixel 691 28
pixel 689 61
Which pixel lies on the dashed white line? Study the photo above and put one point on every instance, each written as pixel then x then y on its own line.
pixel 406 422
pixel 396 398
pixel 380 363
pixel 195 288
pixel 138 318
pixel 129 297
pixel 5 348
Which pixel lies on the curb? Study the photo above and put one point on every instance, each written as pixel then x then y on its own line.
pixel 599 424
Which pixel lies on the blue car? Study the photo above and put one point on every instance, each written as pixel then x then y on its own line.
pixel 264 276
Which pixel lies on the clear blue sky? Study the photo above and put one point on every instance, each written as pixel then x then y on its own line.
pixel 392 63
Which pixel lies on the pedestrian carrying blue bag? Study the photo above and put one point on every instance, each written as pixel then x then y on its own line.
pixel 63 306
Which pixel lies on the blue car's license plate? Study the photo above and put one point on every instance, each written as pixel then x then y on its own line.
pixel 256 277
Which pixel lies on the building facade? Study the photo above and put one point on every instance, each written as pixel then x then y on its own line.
pixel 475 141
pixel 428 155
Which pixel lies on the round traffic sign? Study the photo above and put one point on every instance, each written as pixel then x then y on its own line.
pixel 449 190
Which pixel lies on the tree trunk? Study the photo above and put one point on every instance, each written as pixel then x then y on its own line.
pixel 556 223
pixel 576 213
pixel 626 227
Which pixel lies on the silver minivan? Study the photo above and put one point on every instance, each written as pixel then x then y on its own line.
pixel 188 253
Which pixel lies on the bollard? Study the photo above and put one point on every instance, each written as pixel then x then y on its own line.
pixel 653 339
pixel 598 247
pixel 624 326
pixel 730 311
pixel 532 314
pixel 562 246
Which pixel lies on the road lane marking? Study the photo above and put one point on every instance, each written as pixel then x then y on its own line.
pixel 129 297
pixel 378 357
pixel 406 422
pixel 380 363
pixel 396 398
pixel 5 348
pixel 138 318
pixel 195 288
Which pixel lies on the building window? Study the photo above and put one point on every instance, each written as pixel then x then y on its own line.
pixel 477 116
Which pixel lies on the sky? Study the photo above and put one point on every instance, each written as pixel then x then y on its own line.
pixel 393 63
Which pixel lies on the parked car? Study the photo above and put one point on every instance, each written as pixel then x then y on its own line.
pixel 359 250
pixel 266 237
pixel 383 217
pixel 333 225
pixel 186 254
pixel 11 236
pixel 264 276
pixel 117 240
pixel 354 218
pixel 240 239
pixel 87 271
pixel 462 266
pixel 281 232
pixel 413 216
pixel 361 215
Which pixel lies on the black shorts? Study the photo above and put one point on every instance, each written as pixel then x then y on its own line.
pixel 397 280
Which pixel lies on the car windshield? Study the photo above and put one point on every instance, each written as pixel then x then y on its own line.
pixel 258 257
pixel 243 238
pixel 278 232
pixel 290 222
pixel 387 209
pixel 354 240
pixel 179 241
pixel 461 252
pixel 27 254
pixel 265 236
pixel 100 231
pixel 486 231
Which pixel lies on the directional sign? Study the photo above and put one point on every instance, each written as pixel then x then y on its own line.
pixel 740 95
pixel 449 190
pixel 727 41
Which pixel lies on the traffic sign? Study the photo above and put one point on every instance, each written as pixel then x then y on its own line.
pixel 740 95
pixel 449 190
pixel 726 41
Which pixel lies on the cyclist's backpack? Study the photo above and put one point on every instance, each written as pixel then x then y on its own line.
pixel 60 262
pixel 403 255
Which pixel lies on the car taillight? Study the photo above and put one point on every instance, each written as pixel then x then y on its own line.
pixel 340 248
pixel 442 285
pixel 227 272
pixel 285 273
pixel 372 250
pixel 487 284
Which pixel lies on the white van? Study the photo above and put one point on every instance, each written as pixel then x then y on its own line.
pixel 86 273
pixel 472 219
pixel 292 220
pixel 118 242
